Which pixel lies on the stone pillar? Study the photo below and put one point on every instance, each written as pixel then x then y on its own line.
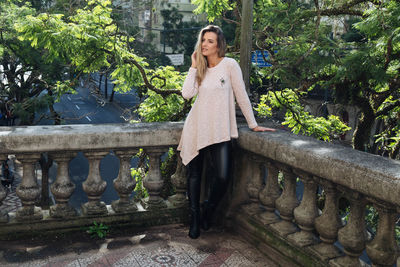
pixel 179 181
pixel 269 195
pixel 124 183
pixel 153 180
pixel 3 195
pixel 383 250
pixel 94 186
pixel 63 187
pixel 286 203
pixel 328 223
pixel 254 183
pixel 28 190
pixel 353 235
pixel 306 212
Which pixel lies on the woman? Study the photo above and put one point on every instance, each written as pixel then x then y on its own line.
pixel 211 122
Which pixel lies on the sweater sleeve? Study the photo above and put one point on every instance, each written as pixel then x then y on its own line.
pixel 190 87
pixel 240 93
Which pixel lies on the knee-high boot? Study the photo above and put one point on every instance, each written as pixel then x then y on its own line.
pixel 194 184
pixel 220 154
pixel 209 206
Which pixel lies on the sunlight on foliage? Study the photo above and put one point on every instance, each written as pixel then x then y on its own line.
pixel 299 120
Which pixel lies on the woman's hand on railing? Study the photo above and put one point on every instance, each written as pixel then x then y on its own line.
pixel 263 129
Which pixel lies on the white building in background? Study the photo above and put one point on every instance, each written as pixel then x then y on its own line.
pixel 151 21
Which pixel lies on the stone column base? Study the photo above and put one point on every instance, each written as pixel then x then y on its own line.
pixel 153 203
pixel 347 261
pixel 94 208
pixel 284 228
pixel 120 206
pixel 29 214
pixel 178 200
pixel 268 217
pixel 303 238
pixel 251 209
pixel 326 251
pixel 3 217
pixel 62 211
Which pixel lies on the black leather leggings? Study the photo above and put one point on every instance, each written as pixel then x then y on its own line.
pixel 220 157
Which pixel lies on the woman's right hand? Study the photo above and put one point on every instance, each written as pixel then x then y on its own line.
pixel 194 63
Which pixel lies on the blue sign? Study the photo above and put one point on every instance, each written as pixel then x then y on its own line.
pixel 257 58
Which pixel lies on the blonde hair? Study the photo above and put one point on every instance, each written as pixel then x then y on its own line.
pixel 201 61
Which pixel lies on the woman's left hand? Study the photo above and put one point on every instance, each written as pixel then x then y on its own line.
pixel 263 129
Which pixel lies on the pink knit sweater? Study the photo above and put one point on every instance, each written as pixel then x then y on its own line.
pixel 212 118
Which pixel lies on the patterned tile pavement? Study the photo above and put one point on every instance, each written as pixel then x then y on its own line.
pixel 166 246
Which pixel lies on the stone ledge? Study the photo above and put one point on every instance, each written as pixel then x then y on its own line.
pixel 86 137
pixel 369 174
pixel 49 226
pixel 275 247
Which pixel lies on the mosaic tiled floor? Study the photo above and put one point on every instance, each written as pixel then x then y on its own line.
pixel 165 246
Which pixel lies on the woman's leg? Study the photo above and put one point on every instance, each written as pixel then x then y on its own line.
pixel 221 157
pixel 195 167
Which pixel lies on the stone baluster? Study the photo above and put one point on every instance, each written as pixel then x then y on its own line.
pixel 254 183
pixel 306 212
pixel 94 186
pixel 269 195
pixel 153 181
pixel 179 181
pixel 63 187
pixel 124 183
pixel 353 235
pixel 3 195
pixel 28 190
pixel 383 250
pixel 328 223
pixel 286 203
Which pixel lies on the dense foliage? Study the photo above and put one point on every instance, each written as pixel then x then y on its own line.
pixel 359 67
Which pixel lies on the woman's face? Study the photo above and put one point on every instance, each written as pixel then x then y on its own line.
pixel 209 44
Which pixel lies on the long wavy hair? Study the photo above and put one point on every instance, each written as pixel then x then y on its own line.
pixel 201 60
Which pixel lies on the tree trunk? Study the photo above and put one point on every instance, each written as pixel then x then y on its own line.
pixel 362 133
pixel 101 77
pixel 246 41
pixel 106 87
pixel 112 95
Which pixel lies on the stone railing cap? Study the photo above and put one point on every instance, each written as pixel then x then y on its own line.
pixel 88 137
pixel 369 174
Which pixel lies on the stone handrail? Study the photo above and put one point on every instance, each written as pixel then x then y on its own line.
pixel 341 172
pixel 62 144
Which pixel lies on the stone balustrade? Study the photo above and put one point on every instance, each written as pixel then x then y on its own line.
pixel 95 141
pixel 263 204
pixel 308 228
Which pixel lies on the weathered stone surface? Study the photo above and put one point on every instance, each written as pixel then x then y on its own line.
pixel 179 181
pixel 124 184
pixel 369 174
pixel 383 249
pixel 28 190
pixel 153 180
pixel 91 137
pixel 62 188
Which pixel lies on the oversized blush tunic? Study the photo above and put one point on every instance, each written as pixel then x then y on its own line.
pixel 212 118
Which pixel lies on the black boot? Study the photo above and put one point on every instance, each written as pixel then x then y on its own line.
pixel 193 185
pixel 207 218
pixel 194 230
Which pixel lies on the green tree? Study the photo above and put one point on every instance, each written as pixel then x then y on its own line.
pixel 361 69
pixel 26 79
